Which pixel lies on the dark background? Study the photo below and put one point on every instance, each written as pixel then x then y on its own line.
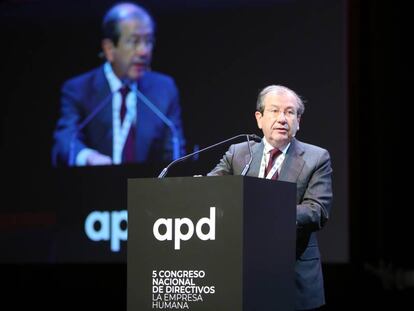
pixel 219 78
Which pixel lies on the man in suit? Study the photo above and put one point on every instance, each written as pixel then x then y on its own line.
pixel 281 156
pixel 104 120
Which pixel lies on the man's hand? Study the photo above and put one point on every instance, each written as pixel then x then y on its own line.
pixel 96 158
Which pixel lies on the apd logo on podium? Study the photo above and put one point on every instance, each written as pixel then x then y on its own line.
pixel 176 227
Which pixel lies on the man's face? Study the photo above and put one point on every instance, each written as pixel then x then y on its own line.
pixel 279 120
pixel 131 57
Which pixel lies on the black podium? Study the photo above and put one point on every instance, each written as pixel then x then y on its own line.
pixel 211 243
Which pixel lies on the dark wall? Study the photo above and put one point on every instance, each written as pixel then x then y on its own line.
pixel 379 131
pixel 379 128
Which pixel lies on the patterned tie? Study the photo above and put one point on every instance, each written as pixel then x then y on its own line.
pixel 274 153
pixel 128 154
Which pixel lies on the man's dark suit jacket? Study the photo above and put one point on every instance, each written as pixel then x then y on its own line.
pixel 310 168
pixel 85 93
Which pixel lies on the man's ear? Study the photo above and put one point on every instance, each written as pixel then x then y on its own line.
pixel 259 117
pixel 108 49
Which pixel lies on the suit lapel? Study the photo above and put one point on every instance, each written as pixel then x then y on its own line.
pixel 257 152
pixel 103 95
pixel 293 163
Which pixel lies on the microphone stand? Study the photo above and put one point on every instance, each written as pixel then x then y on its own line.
pixel 246 168
pixel 165 170
pixel 175 140
pixel 71 158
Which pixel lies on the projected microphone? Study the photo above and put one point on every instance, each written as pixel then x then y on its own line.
pixel 71 158
pixel 165 170
pixel 256 139
pixel 175 140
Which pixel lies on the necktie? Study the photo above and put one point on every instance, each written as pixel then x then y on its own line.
pixel 124 92
pixel 274 153
pixel 128 154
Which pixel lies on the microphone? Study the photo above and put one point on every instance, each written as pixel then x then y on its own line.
pixel 175 140
pixel 256 139
pixel 251 136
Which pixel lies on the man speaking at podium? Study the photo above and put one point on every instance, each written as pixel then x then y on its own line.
pixel 121 111
pixel 283 157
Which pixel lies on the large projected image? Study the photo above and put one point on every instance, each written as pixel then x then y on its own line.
pixel 101 104
pixel 121 111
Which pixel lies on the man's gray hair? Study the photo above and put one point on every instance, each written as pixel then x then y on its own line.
pixel 280 90
pixel 120 12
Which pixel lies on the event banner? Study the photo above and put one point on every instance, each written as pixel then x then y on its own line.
pixel 210 243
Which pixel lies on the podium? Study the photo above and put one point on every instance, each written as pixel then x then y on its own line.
pixel 211 243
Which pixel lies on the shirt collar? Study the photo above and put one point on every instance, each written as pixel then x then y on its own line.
pixel 114 82
pixel 268 147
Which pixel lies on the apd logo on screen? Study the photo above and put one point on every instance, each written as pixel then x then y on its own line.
pixel 107 226
pixel 176 225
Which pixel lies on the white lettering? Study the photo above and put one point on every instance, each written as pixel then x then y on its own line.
pixel 117 233
pixel 101 233
pixel 168 232
pixel 179 234
pixel 105 226
pixel 211 223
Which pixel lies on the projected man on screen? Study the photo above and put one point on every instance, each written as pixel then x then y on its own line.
pixel 103 119
pixel 281 156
